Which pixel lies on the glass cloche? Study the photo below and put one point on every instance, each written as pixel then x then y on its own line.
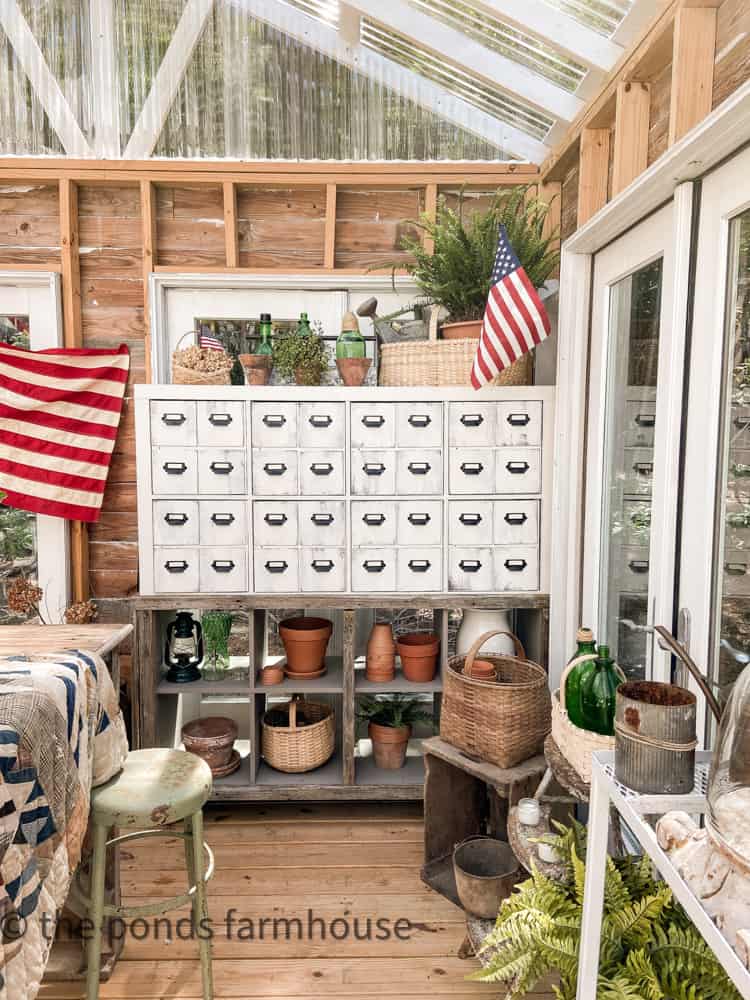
pixel 729 781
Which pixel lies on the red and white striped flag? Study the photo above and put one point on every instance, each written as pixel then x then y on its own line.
pixel 515 320
pixel 59 413
pixel 210 343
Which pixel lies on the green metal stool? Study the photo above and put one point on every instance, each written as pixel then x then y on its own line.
pixel 155 788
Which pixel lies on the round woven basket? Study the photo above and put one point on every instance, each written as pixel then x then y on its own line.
pixel 299 748
pixel 502 722
pixel 191 376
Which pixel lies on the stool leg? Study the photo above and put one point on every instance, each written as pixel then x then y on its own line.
pixel 194 859
pixel 95 914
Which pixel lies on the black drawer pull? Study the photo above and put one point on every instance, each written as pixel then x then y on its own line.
pixel 277 566
pixel 419 468
pixel 472 520
pixel 322 520
pixel 420 420
pixel 320 420
pixel 735 569
pixel 175 565
pixel 220 419
pixel 638 565
pixel 373 420
pixel 174 468
pixel 274 420
pixel 472 468
pixel 222 565
pixel 515 565
pixel 419 565
pixel 470 565
pixel 221 468
pixel 173 419
pixel 515 519
pixel 274 519
pixel 321 468
pixel 472 419
pixel 322 565
pixel 518 419
pixel 418 519
pixel 644 468
pixel 374 565
pixel 742 423
pixel 222 520
pixel 517 468
pixel 373 468
pixel 646 419
pixel 374 520
pixel 176 519
pixel 274 468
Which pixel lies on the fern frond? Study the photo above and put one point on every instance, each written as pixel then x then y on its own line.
pixel 616 895
pixel 634 923
pixel 618 988
pixel 639 968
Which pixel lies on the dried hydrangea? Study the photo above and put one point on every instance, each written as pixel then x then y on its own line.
pixel 202 360
pixel 23 597
pixel 81 613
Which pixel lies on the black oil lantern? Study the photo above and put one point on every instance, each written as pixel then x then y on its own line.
pixel 183 650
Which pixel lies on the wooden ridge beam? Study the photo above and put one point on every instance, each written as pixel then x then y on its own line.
pixel 631 133
pixel 693 52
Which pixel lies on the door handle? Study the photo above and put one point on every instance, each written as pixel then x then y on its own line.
pixel 470 520
pixel 321 468
pixel 220 419
pixel 420 420
pixel 418 519
pixel 221 468
pixel 373 420
pixel 222 520
pixel 175 565
pixel 274 420
pixel 515 565
pixel 320 420
pixel 419 565
pixel 274 468
pixel 517 468
pixel 419 468
pixel 470 565
pixel 374 520
pixel 222 565
pixel 515 519
pixel 472 419
pixel 322 520
pixel 322 565
pixel 276 565
pixel 173 419
pixel 472 468
pixel 373 468
pixel 374 565
pixel 518 419
pixel 275 519
pixel 174 468
pixel 176 519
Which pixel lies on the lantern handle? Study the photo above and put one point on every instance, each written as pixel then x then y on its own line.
pixel 670 642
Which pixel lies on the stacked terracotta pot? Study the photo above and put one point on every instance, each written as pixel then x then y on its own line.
pixel 419 656
pixel 381 654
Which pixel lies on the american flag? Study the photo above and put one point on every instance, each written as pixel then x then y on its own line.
pixel 210 343
pixel 515 320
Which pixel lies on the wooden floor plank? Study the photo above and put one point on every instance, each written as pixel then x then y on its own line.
pixel 166 855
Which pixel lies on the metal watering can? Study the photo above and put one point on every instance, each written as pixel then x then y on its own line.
pixel 390 329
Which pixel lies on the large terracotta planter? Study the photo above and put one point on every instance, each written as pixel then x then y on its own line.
pixel 419 653
pixel 468 330
pixel 389 745
pixel 381 654
pixel 305 643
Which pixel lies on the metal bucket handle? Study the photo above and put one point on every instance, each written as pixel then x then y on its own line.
pixel 684 657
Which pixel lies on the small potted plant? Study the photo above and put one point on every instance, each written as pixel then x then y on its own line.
pixel 390 719
pixel 301 355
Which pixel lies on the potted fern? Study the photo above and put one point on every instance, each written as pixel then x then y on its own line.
pixel 390 720
pixel 457 273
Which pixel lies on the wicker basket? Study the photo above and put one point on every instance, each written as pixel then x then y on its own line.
pixel 297 749
pixel 502 722
pixel 191 376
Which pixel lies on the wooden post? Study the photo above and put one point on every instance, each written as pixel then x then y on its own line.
pixel 430 209
pixel 631 133
pixel 693 52
pixel 231 237
pixel 148 238
pixel 329 251
pixel 551 194
pixel 593 172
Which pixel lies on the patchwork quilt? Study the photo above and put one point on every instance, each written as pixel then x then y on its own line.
pixel 61 732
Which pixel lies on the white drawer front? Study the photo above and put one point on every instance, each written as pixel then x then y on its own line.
pixel 172 422
pixel 322 425
pixel 276 570
pixel 223 522
pixel 633 571
pixel 174 471
pixel 222 470
pixel 373 425
pixel 176 522
pixel 419 471
pixel 419 425
pixel 469 522
pixel 321 472
pixel 517 567
pixel 221 424
pixel 516 522
pixel 518 470
pixel 275 472
pixel 223 570
pixel 519 424
pixel 419 522
pixel 640 424
pixel 373 473
pixel 639 471
pixel 322 570
pixel 176 571
pixel 275 524
pixel 373 523
pixel 735 577
pixel 418 569
pixel 322 523
pixel 740 427
pixel 274 425
pixel 472 425
pixel 472 470
pixel 470 568
pixel 373 570
pixel 738 525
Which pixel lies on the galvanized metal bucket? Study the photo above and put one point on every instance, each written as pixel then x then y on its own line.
pixel 486 870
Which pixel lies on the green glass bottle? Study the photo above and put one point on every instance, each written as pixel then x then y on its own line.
pixel 585 646
pixel 303 327
pixel 265 346
pixel 598 688
pixel 350 342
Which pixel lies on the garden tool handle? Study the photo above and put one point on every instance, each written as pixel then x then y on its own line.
pixel 684 657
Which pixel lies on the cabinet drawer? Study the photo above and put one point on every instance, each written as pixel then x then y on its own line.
pixel 737 532
pixel 275 472
pixel 374 570
pixel 221 424
pixel 519 424
pixel 419 523
pixel 174 470
pixel 321 472
pixel 322 523
pixel 276 570
pixel 418 569
pixel 472 425
pixel 640 424
pixel 373 473
pixel 740 427
pixel 373 425
pixel 373 523
pixel 321 425
pixel 274 425
pixel 472 470
pixel 275 524
pixel 516 522
pixel 419 425
pixel 222 470
pixel 223 570
pixel 223 522
pixel 419 471
pixel 470 568
pixel 172 422
pixel 736 573
pixel 632 574
pixel 516 567
pixel 738 477
pixel 636 522
pixel 322 570
pixel 518 470
pixel 176 571
pixel 176 522
pixel 469 522
pixel 638 471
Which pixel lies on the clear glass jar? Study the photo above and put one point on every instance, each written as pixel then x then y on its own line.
pixel 729 781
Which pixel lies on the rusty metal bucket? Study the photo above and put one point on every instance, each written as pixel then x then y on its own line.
pixel 486 870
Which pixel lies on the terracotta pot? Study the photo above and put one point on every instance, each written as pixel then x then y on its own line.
pixel 468 330
pixel 381 654
pixel 353 371
pixel 389 745
pixel 272 675
pixel 257 368
pixel 483 670
pixel 304 377
pixel 419 653
pixel 212 739
pixel 305 642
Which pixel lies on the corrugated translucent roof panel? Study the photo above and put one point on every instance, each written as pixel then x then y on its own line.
pixel 603 16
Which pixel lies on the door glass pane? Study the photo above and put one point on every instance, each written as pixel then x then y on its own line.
pixel 731 614
pixel 630 417
pixel 18 552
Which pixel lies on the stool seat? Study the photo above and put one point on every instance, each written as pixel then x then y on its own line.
pixel 154 788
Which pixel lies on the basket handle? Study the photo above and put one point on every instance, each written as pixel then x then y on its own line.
pixel 692 666
pixel 471 655
pixel 432 329
pixel 190 333
pixel 293 712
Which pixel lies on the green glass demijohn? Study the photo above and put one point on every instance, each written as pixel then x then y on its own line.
pixel 598 686
pixel 585 647
pixel 350 342
pixel 265 330
pixel 303 327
